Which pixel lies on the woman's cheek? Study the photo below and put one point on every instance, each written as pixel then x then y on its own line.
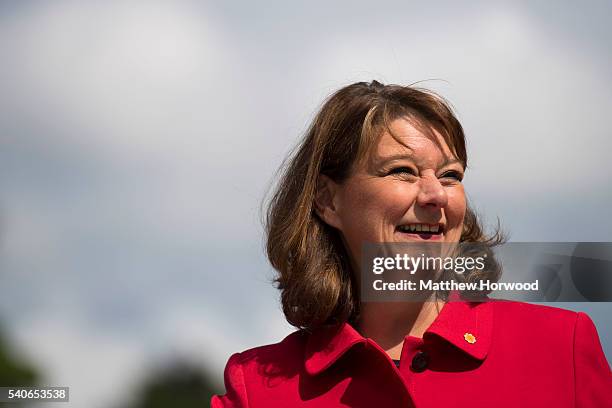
pixel 456 205
pixel 401 196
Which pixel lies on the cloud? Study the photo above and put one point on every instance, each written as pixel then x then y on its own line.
pixel 138 141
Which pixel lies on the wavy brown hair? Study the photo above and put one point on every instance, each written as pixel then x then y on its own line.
pixel 314 274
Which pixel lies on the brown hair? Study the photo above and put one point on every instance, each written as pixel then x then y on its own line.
pixel 314 273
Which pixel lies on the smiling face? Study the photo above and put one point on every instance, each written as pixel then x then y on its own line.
pixel 409 190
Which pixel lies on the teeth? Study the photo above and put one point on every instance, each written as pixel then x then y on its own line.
pixel 420 228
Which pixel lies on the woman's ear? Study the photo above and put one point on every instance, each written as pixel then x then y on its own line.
pixel 325 203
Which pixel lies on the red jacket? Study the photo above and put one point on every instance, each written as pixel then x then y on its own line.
pixel 488 354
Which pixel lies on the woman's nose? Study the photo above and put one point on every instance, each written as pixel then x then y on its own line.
pixel 432 194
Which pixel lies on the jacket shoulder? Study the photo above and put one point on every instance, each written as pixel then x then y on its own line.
pixel 286 354
pixel 249 374
pixel 524 310
pixel 541 323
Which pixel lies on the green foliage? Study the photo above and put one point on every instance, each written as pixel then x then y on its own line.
pixel 180 385
pixel 13 372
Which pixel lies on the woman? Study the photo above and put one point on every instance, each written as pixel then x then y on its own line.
pixel 379 164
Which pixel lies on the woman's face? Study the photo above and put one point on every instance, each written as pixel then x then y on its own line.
pixel 407 192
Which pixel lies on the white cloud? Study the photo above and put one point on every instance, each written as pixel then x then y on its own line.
pixel 143 136
pixel 129 76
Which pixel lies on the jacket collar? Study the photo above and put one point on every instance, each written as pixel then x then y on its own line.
pixel 456 323
pixel 326 345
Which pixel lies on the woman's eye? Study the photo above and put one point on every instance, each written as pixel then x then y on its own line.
pixel 402 170
pixel 453 174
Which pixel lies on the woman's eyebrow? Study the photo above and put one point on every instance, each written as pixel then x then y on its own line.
pixel 399 156
pixel 451 160
pixel 402 156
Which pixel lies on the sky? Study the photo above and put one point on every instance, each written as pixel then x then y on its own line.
pixel 139 139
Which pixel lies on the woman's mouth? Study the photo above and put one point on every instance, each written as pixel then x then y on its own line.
pixel 421 231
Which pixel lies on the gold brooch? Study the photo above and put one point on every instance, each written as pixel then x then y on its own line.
pixel 470 338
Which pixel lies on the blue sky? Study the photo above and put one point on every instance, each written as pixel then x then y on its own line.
pixel 139 139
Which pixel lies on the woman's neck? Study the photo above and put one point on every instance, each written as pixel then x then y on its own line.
pixel 388 323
